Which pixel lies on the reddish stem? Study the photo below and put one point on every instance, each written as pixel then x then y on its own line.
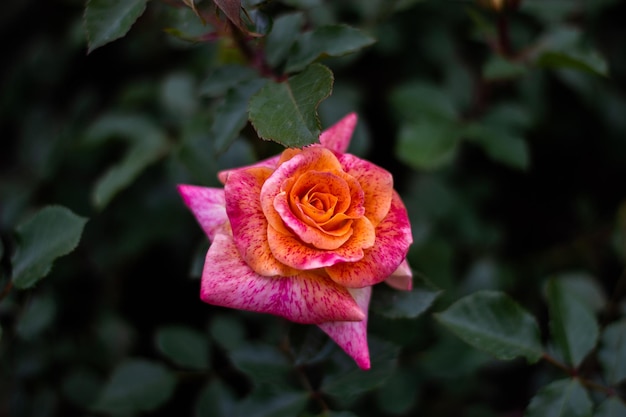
pixel 6 290
pixel 504 41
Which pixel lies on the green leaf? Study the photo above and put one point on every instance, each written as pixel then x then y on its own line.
pixel 395 304
pixel 107 20
pixel 215 400
pixel 231 114
pixel 563 48
pixel 400 393
pixel 224 78
pixel 508 116
pixel 286 112
pixel 352 381
pixel 429 144
pixel 265 403
pixel 335 40
pixel 573 325
pixel 612 354
pixel 282 37
pixel 491 321
pixel 37 316
pixel 562 398
pixel 147 144
pixel 447 348
pixel 586 288
pixel 81 387
pixel 611 407
pixel 53 232
pixel 227 331
pixel 137 385
pixel 501 145
pixel 274 404
pixel 551 11
pixel 498 68
pixel 417 100
pixel 262 363
pixel 179 96
pixel 184 346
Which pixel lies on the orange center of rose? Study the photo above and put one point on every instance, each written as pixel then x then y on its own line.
pixel 320 199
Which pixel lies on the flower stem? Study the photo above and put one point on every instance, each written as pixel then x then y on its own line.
pixel 285 346
pixel 6 290
pixel 589 384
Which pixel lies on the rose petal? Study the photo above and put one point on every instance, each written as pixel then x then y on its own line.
pixel 304 298
pixel 352 336
pixel 248 223
pixel 393 237
pixel 402 278
pixel 313 158
pixel 337 137
pixel 290 251
pixel 266 163
pixel 377 184
pixel 307 233
pixel 207 205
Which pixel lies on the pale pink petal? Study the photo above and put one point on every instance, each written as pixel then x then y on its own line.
pixel 352 336
pixel 207 205
pixel 304 298
pixel 248 224
pixel 377 184
pixel 393 237
pixel 337 137
pixel 402 278
pixel 266 163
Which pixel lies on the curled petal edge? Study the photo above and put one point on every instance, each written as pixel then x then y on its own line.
pixel 402 278
pixel 208 206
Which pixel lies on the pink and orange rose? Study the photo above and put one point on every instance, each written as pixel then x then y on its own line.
pixel 304 235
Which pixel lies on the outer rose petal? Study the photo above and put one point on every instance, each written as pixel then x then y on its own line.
pixel 304 298
pixel 248 223
pixel 337 137
pixel 393 237
pixel 402 278
pixel 266 163
pixel 207 205
pixel 352 336
pixel 377 184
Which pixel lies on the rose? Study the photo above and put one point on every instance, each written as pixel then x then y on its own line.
pixel 304 235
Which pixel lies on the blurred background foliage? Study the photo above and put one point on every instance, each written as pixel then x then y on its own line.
pixel 503 122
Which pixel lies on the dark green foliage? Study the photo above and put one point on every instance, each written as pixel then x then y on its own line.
pixel 505 135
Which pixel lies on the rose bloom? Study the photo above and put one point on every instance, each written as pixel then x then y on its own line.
pixel 304 235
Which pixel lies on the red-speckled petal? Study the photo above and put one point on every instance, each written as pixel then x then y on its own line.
pixel 376 182
pixel 338 136
pixel 248 222
pixel 266 163
pixel 352 336
pixel 228 281
pixel 207 205
pixel 402 278
pixel 393 237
